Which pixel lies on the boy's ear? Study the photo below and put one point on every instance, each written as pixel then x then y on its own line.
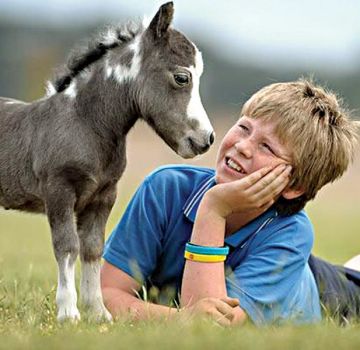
pixel 291 193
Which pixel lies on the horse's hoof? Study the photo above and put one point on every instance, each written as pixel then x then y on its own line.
pixel 70 314
pixel 100 314
pixel 105 317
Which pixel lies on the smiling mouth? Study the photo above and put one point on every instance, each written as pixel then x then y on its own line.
pixel 234 166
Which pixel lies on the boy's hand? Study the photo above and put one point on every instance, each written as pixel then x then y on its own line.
pixel 257 191
pixel 224 311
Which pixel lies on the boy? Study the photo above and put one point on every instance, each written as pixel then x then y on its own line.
pixel 249 241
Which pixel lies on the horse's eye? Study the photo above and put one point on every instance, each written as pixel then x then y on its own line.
pixel 181 79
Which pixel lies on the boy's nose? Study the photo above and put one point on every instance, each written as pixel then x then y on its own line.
pixel 244 148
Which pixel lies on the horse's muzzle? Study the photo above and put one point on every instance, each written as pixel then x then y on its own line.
pixel 199 147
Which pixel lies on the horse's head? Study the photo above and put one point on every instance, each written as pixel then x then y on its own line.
pixel 157 71
pixel 168 87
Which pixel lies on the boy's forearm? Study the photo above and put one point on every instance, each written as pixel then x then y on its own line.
pixel 123 304
pixel 209 227
pixel 202 280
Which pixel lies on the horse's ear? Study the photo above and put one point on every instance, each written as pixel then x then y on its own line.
pixel 162 20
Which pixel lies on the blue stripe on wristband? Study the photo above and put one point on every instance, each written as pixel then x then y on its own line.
pixel 199 249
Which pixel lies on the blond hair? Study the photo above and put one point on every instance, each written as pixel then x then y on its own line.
pixel 315 127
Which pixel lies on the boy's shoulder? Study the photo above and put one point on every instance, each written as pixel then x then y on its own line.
pixel 296 229
pixel 177 183
pixel 180 172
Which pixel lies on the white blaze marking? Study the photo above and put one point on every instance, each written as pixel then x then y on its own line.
pixel 90 290
pixel 66 297
pixel 71 90
pixel 353 263
pixel 195 108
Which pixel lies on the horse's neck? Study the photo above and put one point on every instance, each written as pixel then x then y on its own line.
pixel 106 106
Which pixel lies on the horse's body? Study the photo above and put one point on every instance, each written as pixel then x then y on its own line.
pixel 63 155
pixel 48 137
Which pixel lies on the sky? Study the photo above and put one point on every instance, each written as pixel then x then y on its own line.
pixel 302 33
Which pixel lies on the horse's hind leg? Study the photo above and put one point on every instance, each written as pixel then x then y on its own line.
pixel 91 230
pixel 59 201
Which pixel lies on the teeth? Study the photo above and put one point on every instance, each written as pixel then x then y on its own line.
pixel 235 166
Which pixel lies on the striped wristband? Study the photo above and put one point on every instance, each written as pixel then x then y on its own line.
pixel 204 253
pixel 200 249
pixel 204 257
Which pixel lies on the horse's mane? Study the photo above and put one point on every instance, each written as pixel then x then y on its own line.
pixel 94 49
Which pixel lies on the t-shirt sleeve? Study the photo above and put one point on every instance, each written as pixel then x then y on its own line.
pixel 134 245
pixel 267 280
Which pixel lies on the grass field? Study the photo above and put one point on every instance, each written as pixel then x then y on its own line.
pixel 28 278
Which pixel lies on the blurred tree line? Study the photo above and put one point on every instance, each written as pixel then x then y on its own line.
pixel 29 54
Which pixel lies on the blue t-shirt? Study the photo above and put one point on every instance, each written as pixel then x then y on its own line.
pixel 267 267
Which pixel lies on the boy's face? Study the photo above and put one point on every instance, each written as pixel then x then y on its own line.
pixel 249 145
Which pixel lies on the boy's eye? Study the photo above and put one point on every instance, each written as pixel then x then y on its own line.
pixel 265 145
pixel 243 127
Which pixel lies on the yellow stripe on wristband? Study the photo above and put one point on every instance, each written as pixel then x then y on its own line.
pixel 203 257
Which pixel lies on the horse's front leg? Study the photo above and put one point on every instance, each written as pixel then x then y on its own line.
pixel 59 202
pixel 91 230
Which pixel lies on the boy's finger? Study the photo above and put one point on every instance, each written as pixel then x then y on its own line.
pixel 271 181
pixel 223 307
pixel 273 188
pixel 255 177
pixel 223 321
pixel 218 316
pixel 273 176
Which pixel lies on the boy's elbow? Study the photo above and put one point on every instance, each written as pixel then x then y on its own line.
pixel 107 295
pixel 111 298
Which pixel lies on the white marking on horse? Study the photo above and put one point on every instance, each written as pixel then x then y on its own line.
pixel 122 72
pixel 110 37
pixel 90 290
pixel 146 21
pixel 71 90
pixel 50 89
pixel 195 108
pixel 66 297
pixel 85 76
pixel 353 263
pixel 108 69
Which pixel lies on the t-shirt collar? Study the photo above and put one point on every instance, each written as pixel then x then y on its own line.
pixel 238 238
pixel 191 205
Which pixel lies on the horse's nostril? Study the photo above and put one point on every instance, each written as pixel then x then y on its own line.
pixel 211 138
pixel 203 145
